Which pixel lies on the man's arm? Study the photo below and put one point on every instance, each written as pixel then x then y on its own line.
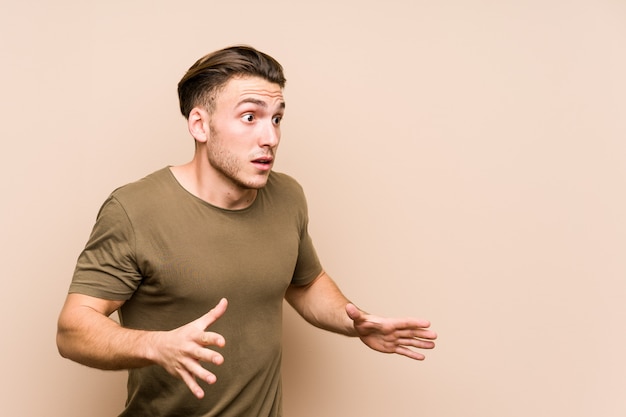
pixel 322 304
pixel 88 336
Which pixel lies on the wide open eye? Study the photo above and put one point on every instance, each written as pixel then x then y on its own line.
pixel 277 119
pixel 248 117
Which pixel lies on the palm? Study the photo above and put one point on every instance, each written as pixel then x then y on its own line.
pixel 392 335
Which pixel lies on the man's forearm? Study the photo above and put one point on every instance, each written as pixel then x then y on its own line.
pixel 322 304
pixel 92 339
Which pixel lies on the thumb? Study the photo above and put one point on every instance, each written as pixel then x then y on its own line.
pixel 353 311
pixel 214 314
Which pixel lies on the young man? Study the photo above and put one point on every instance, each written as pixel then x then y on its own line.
pixel 224 234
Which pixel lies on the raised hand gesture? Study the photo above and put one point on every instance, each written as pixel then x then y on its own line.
pixel 392 335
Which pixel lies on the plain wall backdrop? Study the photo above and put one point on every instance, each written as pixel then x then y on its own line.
pixel 464 161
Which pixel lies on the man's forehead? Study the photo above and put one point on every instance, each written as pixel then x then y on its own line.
pixel 241 88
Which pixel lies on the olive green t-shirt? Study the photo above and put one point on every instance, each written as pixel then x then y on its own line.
pixel 172 257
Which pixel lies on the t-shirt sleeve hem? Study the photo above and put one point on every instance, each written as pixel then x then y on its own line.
pixel 76 288
pixel 307 278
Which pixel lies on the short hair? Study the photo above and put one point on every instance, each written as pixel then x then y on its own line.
pixel 200 85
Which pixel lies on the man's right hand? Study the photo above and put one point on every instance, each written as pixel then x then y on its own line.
pixel 88 336
pixel 181 350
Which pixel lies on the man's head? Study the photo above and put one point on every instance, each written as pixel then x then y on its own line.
pixel 233 102
pixel 204 80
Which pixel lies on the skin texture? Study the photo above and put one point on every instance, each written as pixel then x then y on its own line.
pixel 235 150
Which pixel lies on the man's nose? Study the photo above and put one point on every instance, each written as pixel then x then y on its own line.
pixel 270 136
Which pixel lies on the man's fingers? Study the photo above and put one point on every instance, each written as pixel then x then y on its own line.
pixel 209 356
pixel 217 311
pixel 419 333
pixel 400 328
pixel 410 323
pixel 401 350
pixel 214 314
pixel 417 343
pixel 212 339
pixel 191 382
pixel 192 371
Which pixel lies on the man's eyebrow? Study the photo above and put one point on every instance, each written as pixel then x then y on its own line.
pixel 258 102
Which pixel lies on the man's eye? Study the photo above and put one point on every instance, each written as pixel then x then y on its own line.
pixel 277 119
pixel 248 117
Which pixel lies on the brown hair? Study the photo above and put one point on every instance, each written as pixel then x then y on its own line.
pixel 200 85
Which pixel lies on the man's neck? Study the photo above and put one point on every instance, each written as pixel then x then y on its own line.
pixel 209 185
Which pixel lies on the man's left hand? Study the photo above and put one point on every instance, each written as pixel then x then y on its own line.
pixel 392 335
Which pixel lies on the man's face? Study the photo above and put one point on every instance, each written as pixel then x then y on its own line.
pixel 245 131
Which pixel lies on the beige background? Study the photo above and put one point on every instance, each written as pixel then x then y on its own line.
pixel 464 161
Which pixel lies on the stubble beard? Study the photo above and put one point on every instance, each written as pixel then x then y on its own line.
pixel 227 163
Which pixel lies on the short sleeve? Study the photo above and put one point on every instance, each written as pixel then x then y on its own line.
pixel 107 267
pixel 308 266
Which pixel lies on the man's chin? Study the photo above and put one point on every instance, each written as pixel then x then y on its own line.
pixel 257 182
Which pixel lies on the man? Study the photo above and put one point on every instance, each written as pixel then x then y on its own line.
pixel 224 234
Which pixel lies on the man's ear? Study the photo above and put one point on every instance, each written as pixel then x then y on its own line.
pixel 198 124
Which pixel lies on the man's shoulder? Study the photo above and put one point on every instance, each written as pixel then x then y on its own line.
pixel 283 182
pixel 284 190
pixel 151 191
pixel 146 186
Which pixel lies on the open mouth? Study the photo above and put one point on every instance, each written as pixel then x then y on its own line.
pixel 263 162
